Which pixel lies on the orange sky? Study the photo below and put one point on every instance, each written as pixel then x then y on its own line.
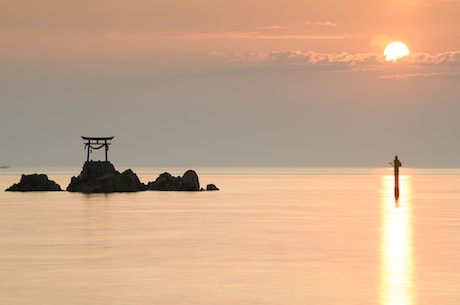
pixel 177 26
pixel 158 31
pixel 102 50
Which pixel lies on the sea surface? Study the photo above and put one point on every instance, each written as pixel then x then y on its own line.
pixel 278 236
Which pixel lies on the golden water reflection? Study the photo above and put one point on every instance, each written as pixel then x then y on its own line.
pixel 396 246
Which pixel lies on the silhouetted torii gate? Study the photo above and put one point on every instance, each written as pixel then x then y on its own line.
pixel 96 143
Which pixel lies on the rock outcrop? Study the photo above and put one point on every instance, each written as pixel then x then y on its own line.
pixel 166 182
pixel 102 177
pixel 211 187
pixel 35 183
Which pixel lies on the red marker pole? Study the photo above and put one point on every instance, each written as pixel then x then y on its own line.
pixel 397 164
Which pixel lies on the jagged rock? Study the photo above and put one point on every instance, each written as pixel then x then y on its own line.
pixel 128 182
pixel 211 187
pixel 190 181
pixel 101 177
pixel 166 182
pixel 35 183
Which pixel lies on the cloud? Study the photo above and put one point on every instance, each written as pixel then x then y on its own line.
pixel 444 58
pixel 308 58
pixel 321 23
pixel 418 65
pixel 254 35
pixel 356 61
pixel 303 30
pixel 418 75
pixel 298 25
pixel 273 27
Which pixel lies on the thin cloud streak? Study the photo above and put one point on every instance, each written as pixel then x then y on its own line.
pixel 418 75
pixel 300 30
pixel 311 58
pixel 254 36
pixel 321 23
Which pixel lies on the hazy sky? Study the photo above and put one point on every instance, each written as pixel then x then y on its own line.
pixel 230 83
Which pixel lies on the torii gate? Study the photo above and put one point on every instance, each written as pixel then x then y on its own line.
pixel 96 143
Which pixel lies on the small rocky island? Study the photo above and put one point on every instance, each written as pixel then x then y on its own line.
pixel 189 182
pixel 102 177
pixel 35 183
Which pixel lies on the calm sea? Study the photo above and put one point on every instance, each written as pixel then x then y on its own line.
pixel 270 236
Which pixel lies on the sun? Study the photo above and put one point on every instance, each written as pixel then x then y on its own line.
pixel 395 50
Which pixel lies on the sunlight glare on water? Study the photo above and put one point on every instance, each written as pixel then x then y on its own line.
pixel 396 244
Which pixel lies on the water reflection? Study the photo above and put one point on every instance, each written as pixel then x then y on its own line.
pixel 396 250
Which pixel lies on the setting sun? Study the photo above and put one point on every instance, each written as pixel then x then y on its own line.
pixel 395 50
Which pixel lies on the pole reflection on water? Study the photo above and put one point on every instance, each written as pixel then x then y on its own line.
pixel 396 252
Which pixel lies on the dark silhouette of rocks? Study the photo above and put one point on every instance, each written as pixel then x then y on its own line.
pixel 35 183
pixel 211 187
pixel 166 182
pixel 190 181
pixel 102 177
